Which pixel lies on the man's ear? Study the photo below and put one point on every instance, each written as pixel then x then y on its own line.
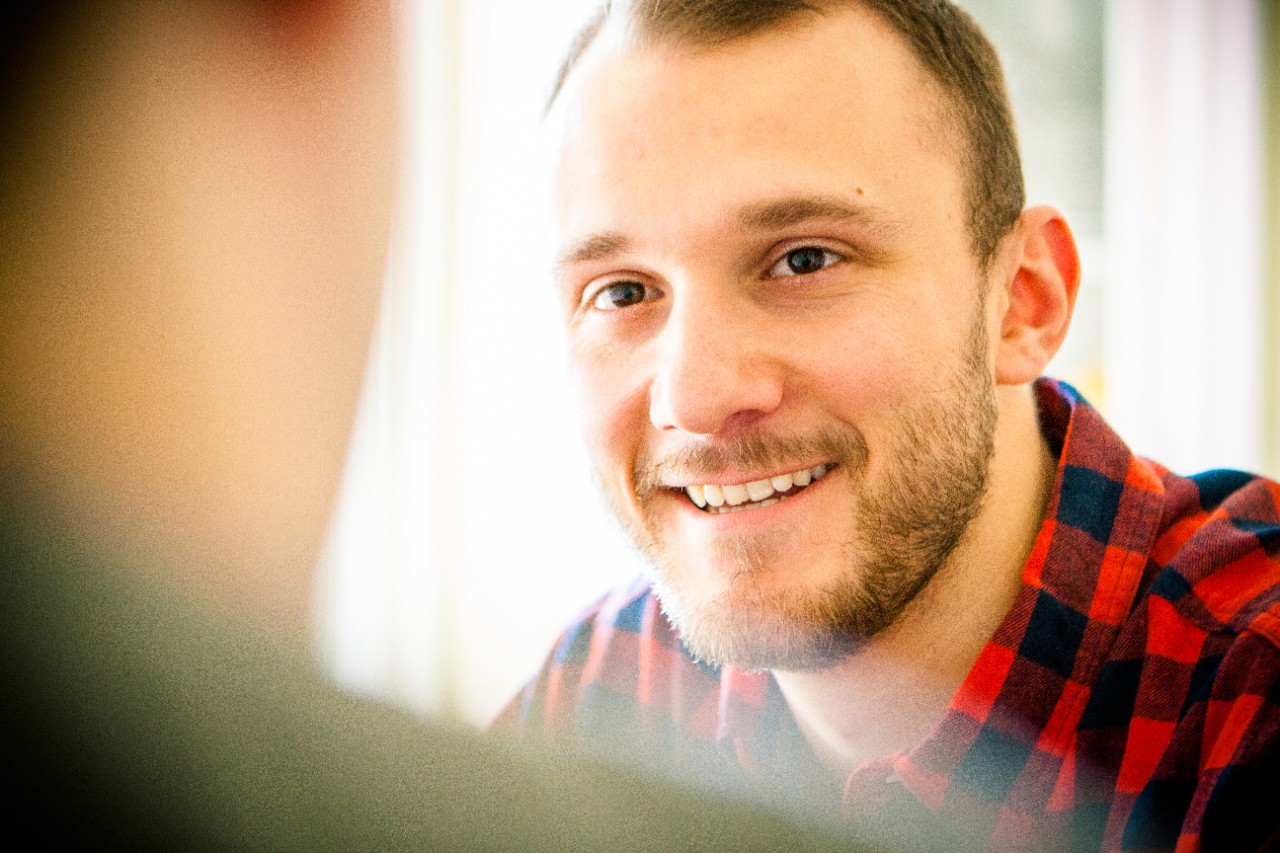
pixel 1040 293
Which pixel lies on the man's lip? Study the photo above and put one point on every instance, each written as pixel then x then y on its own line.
pixel 723 497
pixel 739 477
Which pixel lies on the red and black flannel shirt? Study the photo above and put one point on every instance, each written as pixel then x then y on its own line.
pixel 1130 699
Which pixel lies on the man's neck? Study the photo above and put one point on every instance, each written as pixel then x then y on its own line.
pixel 894 690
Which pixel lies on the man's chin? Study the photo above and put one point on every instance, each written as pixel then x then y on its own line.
pixel 754 635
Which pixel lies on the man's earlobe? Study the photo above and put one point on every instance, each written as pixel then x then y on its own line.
pixel 1041 295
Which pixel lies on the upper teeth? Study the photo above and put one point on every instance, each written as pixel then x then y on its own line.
pixel 755 491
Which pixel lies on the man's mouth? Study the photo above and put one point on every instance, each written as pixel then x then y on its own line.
pixel 755 494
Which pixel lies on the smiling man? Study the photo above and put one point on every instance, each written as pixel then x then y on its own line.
pixel 892 569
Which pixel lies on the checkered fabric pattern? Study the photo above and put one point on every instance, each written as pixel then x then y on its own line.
pixel 1129 700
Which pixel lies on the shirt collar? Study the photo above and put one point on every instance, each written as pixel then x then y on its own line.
pixel 1028 688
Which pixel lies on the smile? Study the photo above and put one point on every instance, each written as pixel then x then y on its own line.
pixel 755 494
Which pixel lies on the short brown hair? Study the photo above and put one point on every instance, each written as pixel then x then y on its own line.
pixel 950 45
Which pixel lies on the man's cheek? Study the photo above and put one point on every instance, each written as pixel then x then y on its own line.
pixel 610 402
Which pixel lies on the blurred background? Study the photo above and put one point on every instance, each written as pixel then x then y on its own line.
pixel 469 531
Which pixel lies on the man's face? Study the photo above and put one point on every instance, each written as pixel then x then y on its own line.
pixel 777 327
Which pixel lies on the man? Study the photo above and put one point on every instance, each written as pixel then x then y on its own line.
pixel 194 208
pixel 891 569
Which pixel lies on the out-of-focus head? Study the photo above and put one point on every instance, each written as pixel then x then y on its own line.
pixel 194 211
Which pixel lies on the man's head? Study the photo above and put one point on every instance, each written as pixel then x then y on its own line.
pixel 795 296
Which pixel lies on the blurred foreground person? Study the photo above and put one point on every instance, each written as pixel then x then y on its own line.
pixel 194 208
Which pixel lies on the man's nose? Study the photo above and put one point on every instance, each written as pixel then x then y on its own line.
pixel 714 374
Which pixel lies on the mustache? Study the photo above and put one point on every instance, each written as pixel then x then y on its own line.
pixel 707 461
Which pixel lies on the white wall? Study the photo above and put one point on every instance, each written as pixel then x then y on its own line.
pixel 1184 308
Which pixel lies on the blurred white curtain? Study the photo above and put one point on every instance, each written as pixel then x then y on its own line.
pixel 469 531
pixel 382 609
pixel 1183 313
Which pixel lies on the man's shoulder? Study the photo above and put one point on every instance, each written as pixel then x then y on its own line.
pixel 619 665
pixel 615 623
pixel 1217 558
pixel 623 633
pixel 1184 711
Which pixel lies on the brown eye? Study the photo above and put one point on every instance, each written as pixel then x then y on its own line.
pixel 803 261
pixel 620 294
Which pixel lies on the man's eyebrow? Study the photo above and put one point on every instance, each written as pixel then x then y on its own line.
pixel 783 213
pixel 761 216
pixel 596 247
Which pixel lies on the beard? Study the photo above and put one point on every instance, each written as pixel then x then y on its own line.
pixel 904 529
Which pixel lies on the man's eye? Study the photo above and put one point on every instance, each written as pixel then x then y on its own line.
pixel 620 294
pixel 806 259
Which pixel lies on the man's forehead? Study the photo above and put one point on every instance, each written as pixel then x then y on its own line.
pixel 766 107
pixel 817 59
pixel 617 38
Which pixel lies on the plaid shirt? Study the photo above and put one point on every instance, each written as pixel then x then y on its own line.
pixel 1129 700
